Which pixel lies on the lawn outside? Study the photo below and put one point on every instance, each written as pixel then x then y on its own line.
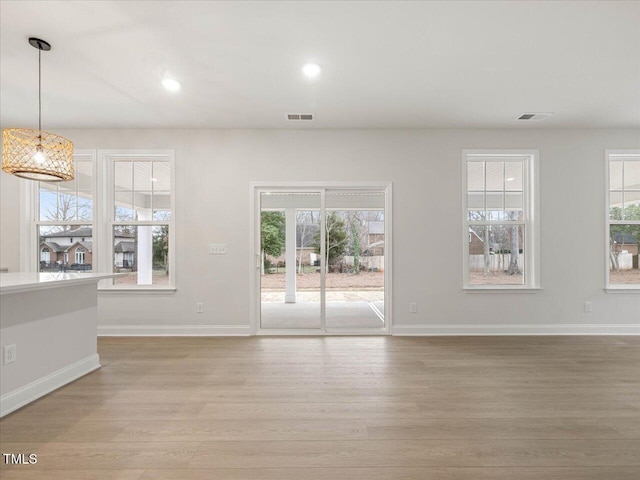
pixel 159 277
pixel 495 278
pixel 625 277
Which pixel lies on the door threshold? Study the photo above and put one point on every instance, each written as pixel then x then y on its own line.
pixel 319 333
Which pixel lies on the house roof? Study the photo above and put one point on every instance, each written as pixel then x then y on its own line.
pixel 623 238
pixel 54 247
pixel 124 246
pixel 82 232
pixel 87 245
pixel 475 234
pixel 78 232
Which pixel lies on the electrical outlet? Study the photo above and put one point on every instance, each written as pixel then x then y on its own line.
pixel 588 307
pixel 10 354
pixel 199 307
pixel 217 249
pixel 413 307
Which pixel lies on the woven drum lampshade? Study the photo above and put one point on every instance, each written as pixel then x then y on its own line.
pixel 37 155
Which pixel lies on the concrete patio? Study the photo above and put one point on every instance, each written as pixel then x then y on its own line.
pixel 348 309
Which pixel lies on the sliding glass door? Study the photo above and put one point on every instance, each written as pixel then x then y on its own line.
pixel 290 270
pixel 320 260
pixel 355 241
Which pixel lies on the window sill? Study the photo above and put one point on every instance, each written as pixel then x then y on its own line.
pixel 493 289
pixel 138 290
pixel 621 289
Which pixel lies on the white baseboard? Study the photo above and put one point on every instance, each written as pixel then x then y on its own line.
pixel 38 388
pixel 173 330
pixel 426 330
pixel 541 329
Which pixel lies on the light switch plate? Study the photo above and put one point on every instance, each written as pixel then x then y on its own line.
pixel 217 249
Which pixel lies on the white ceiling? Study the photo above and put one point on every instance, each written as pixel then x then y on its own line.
pixel 384 64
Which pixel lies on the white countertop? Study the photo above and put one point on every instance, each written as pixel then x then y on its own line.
pixel 26 281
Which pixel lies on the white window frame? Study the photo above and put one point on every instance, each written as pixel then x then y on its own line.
pixel 102 248
pixel 30 214
pixel 531 220
pixel 107 160
pixel 614 155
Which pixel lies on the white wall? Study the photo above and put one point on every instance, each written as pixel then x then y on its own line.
pixel 214 168
pixel 9 222
pixel 54 330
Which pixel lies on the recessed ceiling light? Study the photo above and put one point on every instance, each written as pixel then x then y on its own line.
pixel 311 70
pixel 154 179
pixel 510 179
pixel 171 84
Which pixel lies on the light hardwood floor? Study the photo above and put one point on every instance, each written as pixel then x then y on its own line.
pixel 311 408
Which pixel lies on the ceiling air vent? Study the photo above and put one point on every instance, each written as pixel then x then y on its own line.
pixel 299 116
pixel 535 116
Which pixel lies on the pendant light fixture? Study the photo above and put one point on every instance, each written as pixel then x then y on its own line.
pixel 34 154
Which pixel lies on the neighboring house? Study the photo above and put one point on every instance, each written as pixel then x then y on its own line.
pixel 73 249
pixel 69 248
pixel 375 238
pixel 124 253
pixel 625 241
pixel 52 254
pixel 476 245
pixel 68 237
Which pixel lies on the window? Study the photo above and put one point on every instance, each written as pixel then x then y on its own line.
pixel 127 227
pixel 65 210
pixel 80 255
pixel 140 191
pixel 500 235
pixel 623 220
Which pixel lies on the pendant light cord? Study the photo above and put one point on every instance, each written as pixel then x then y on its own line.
pixel 40 91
